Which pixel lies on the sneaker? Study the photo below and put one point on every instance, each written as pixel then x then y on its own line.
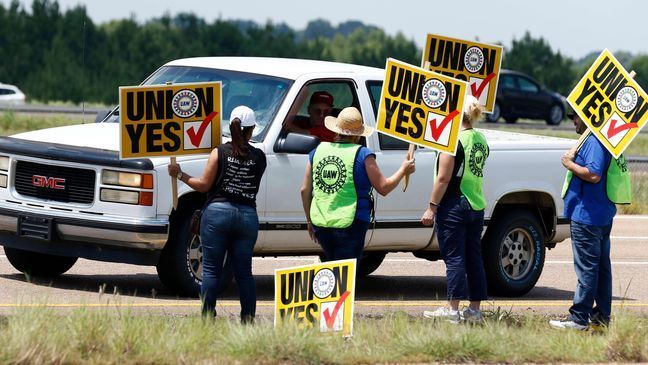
pixel 472 316
pixel 448 314
pixel 567 324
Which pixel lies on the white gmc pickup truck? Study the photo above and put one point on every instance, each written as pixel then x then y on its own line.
pixel 65 194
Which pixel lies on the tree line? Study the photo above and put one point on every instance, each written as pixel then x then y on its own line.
pixel 63 55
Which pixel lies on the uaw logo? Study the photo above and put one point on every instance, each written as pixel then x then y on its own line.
pixel 185 103
pixel 622 163
pixel 626 99
pixel 474 59
pixel 478 155
pixel 330 174
pixel 323 283
pixel 434 93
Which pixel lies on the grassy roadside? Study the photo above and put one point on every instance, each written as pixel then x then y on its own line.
pixel 41 336
pixel 12 123
pixel 639 147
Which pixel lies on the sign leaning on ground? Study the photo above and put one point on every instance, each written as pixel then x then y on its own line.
pixel 421 106
pixel 476 63
pixel 169 120
pixel 317 295
pixel 611 103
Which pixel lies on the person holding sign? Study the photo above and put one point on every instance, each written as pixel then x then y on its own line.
pixel 594 182
pixel 229 222
pixel 336 192
pixel 457 205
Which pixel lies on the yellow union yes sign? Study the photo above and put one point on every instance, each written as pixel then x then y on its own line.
pixel 421 107
pixel 476 63
pixel 611 103
pixel 169 120
pixel 317 295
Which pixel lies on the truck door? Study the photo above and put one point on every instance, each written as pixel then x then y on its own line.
pixel 285 222
pixel 398 215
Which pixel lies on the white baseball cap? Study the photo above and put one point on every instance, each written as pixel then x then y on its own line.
pixel 245 115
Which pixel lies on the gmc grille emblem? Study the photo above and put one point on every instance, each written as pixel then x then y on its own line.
pixel 55 183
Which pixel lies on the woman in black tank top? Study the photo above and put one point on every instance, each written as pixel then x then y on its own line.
pixel 229 223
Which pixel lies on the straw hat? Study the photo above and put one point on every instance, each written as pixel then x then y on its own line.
pixel 348 123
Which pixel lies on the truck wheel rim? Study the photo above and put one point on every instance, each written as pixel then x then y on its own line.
pixel 496 112
pixel 517 251
pixel 556 114
pixel 195 257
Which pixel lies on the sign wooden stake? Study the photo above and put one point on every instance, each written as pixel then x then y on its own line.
pixel 412 147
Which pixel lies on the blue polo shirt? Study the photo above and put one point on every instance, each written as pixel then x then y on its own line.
pixel 361 181
pixel 588 203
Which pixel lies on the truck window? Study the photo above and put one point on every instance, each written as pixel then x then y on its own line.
pixel 298 119
pixel 386 142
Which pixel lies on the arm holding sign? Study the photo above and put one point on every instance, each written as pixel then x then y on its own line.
pixel 581 172
pixel 385 185
pixel 200 184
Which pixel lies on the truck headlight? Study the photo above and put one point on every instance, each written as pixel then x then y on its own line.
pixel 120 196
pixel 133 180
pixel 127 197
pixel 3 181
pixel 4 163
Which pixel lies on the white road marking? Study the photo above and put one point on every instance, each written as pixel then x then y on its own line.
pixel 623 263
pixel 627 216
pixel 560 262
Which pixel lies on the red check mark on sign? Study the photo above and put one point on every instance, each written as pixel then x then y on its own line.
pixel 438 129
pixel 330 317
pixel 196 137
pixel 614 130
pixel 477 90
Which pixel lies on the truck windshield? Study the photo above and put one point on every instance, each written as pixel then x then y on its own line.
pixel 263 93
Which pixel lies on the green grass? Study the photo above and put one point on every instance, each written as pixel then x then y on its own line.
pixel 43 336
pixel 12 123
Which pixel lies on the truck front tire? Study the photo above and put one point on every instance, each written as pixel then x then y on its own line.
pixel 514 254
pixel 38 264
pixel 180 265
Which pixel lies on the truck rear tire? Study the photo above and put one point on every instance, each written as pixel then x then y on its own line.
pixel 180 265
pixel 369 263
pixel 514 254
pixel 38 264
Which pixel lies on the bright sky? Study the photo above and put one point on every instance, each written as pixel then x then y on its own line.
pixel 573 27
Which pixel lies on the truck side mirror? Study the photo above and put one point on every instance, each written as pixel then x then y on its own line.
pixel 296 143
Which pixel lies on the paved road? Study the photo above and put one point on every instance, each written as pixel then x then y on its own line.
pixel 403 282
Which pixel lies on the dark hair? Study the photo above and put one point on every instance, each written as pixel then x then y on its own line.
pixel 240 137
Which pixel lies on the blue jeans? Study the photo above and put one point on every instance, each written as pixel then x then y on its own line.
pixel 591 247
pixel 459 229
pixel 228 228
pixel 343 243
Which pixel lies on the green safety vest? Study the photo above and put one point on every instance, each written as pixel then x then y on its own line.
pixel 334 193
pixel 472 180
pixel 617 181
